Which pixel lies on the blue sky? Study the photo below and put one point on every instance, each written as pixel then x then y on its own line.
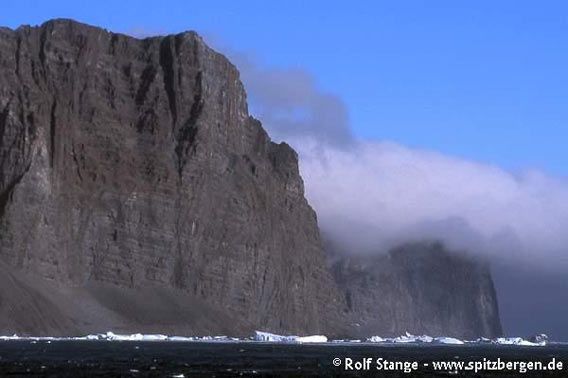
pixel 484 80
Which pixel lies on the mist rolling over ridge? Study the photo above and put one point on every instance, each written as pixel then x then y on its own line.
pixel 372 195
pixel 283 188
pixel 387 193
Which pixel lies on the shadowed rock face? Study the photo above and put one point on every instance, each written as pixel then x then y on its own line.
pixel 138 195
pixel 419 288
pixel 135 163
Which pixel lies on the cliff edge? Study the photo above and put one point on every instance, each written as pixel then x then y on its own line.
pixel 134 163
pixel 138 195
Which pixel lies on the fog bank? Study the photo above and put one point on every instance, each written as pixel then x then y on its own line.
pixel 371 195
pixel 375 195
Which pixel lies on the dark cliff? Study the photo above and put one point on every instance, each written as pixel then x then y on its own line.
pixel 421 288
pixel 134 163
pixel 138 195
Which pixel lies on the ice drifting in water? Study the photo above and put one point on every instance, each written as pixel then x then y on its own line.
pixel 408 338
pixel 518 341
pixel 266 336
pixel 260 336
pixel 110 336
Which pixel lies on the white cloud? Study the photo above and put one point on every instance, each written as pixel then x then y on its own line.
pixel 377 194
pixel 372 195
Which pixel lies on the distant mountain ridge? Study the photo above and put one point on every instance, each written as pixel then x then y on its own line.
pixel 138 194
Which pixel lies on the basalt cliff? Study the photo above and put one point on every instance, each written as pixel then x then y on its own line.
pixel 138 195
pixel 421 288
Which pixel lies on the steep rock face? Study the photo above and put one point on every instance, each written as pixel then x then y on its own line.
pixel 135 163
pixel 138 195
pixel 421 288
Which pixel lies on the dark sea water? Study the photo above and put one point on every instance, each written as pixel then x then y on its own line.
pixel 72 358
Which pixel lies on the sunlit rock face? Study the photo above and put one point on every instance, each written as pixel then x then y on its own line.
pixel 135 163
pixel 138 195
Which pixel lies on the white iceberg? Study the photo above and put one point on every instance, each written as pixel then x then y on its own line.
pixel 376 339
pixel 539 340
pixel 448 340
pixel 111 336
pixel 13 337
pixel 182 338
pixel 412 339
pixel 271 337
pixel 517 341
pixel 404 339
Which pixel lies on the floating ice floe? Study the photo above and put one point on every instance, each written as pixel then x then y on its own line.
pixel 404 339
pixel 540 340
pixel 448 340
pixel 339 341
pixel 413 339
pixel 152 337
pixel 116 337
pixel 111 336
pixel 16 337
pixel 376 339
pixel 13 337
pixel 260 336
pixel 517 341
pixel 271 337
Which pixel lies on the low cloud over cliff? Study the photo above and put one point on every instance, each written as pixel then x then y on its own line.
pixel 371 195
pixel 377 194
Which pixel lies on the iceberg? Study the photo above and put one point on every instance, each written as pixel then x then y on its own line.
pixel 271 337
pixel 339 341
pixel 517 341
pixel 261 336
pixel 412 339
pixel 135 337
pixel 404 339
pixel 449 340
pixel 110 336
pixel 13 337
pixel 376 339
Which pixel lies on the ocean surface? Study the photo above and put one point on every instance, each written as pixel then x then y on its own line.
pixel 104 358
